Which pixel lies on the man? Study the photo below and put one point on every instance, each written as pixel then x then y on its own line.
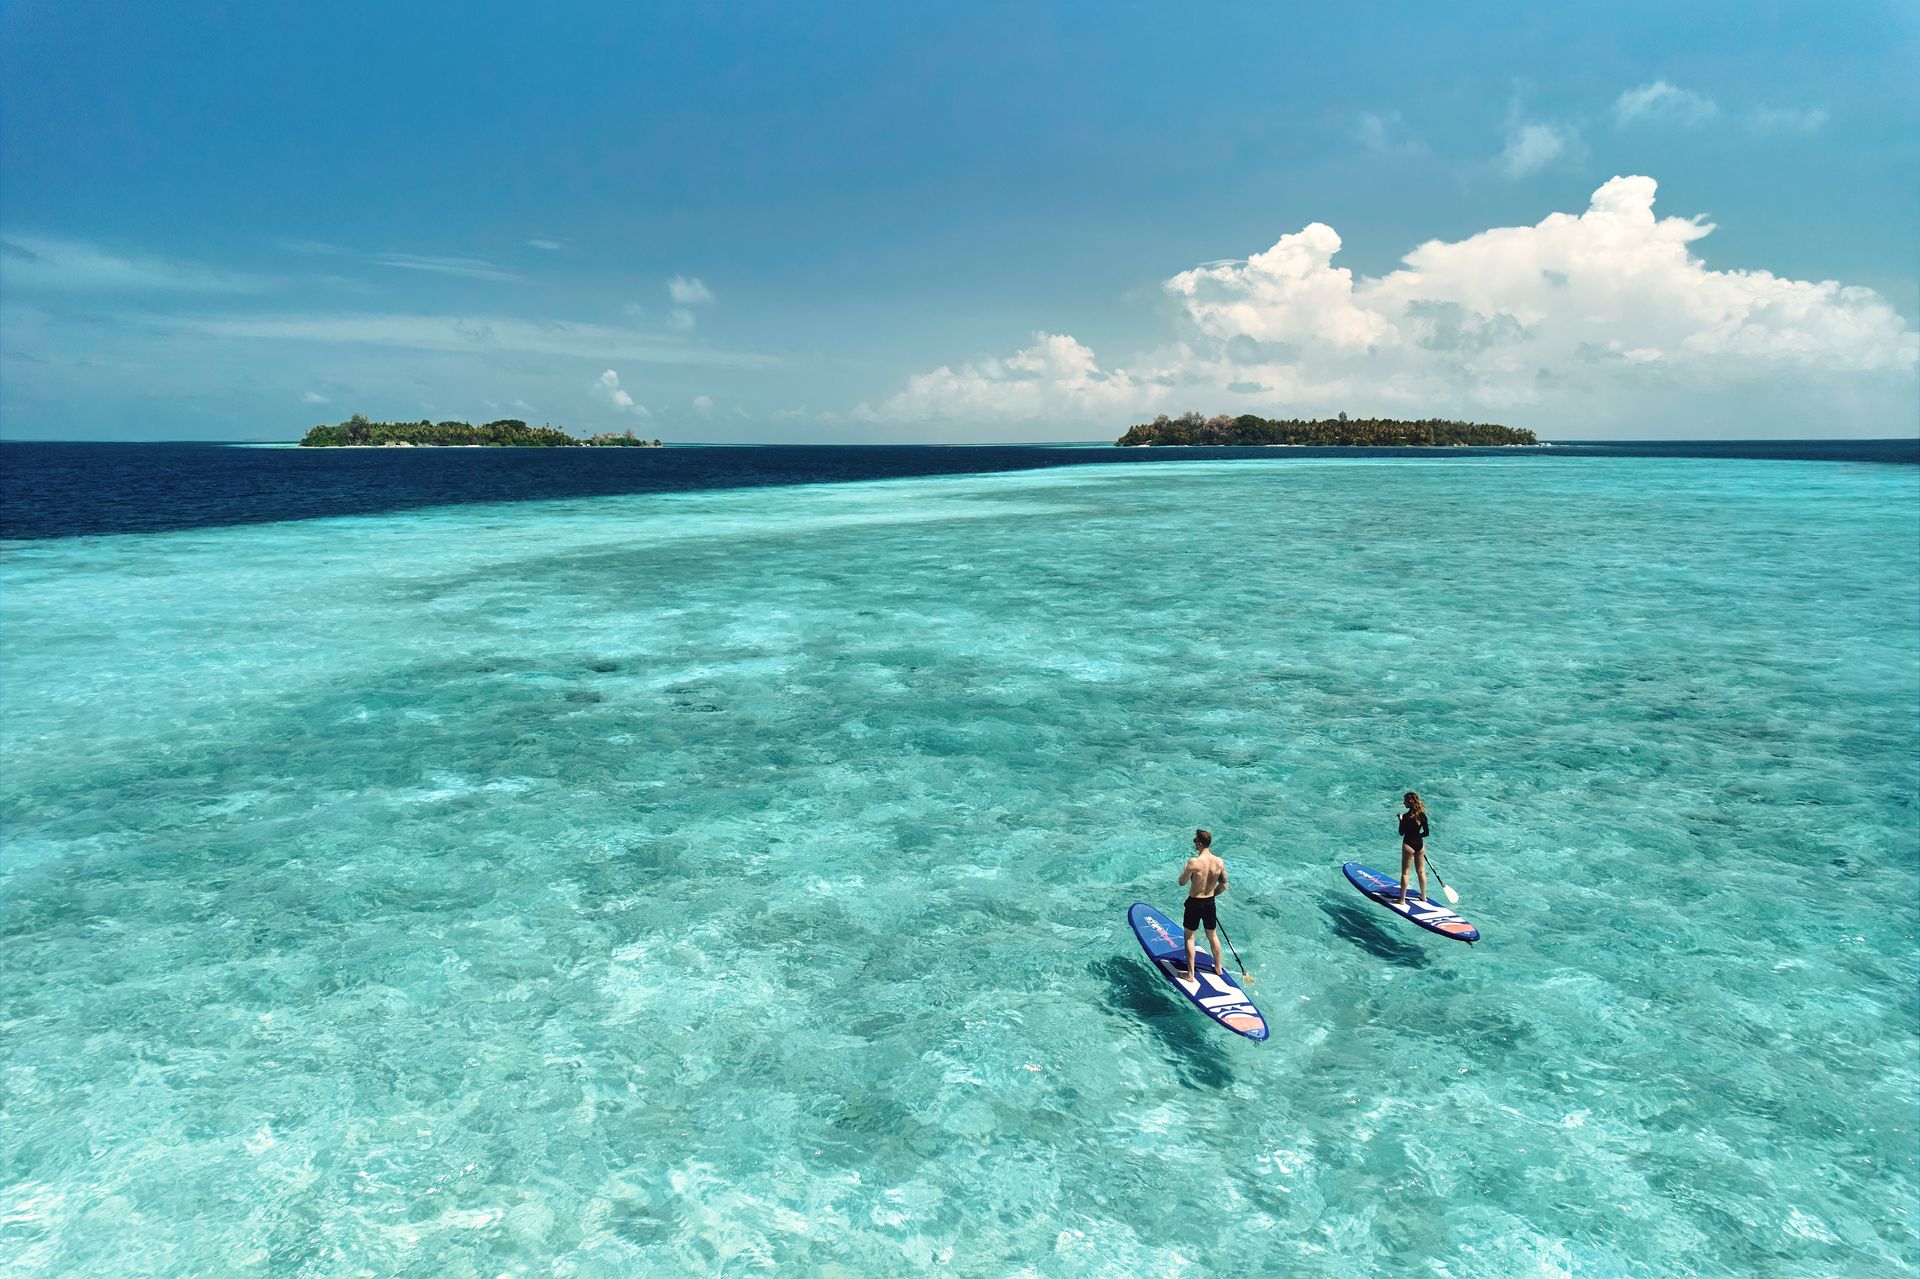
pixel 1205 877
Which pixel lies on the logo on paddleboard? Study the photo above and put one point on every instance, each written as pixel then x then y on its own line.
pixel 1160 928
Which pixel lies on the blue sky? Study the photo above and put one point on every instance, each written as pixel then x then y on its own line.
pixel 899 222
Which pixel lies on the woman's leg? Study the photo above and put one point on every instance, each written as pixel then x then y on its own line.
pixel 1406 859
pixel 1420 864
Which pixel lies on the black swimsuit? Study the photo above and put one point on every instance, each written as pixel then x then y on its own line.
pixel 1413 830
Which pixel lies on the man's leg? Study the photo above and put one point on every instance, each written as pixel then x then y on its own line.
pixel 1190 976
pixel 1213 944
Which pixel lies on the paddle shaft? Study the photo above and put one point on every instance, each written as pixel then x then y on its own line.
pixel 1236 955
pixel 1444 886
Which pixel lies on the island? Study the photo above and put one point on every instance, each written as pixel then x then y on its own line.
pixel 508 433
pixel 1340 432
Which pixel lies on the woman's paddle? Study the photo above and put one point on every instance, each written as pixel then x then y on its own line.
pixel 1445 887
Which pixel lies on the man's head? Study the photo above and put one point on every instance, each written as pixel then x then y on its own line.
pixel 1202 840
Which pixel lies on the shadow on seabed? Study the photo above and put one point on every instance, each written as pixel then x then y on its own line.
pixel 1363 930
pixel 1187 1038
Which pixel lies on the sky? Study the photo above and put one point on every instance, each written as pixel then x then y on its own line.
pixel 966 223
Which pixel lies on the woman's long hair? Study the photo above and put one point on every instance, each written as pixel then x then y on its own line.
pixel 1414 805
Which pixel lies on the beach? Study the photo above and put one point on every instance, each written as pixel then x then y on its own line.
pixel 719 880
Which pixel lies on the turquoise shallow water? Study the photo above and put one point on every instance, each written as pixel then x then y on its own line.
pixel 704 883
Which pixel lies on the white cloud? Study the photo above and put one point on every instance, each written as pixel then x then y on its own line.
pixel 680 319
pixel 1616 278
pixel 313 397
pixel 703 405
pixel 478 334
pixel 1594 320
pixel 1057 375
pixel 1661 102
pixel 56 263
pixel 467 268
pixel 550 246
pixel 463 267
pixel 317 247
pixel 1664 103
pixel 1791 121
pixel 689 290
pixel 609 386
pixel 1532 147
pixel 1288 293
pixel 1386 134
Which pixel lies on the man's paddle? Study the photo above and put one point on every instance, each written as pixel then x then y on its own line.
pixel 1237 959
pixel 1445 887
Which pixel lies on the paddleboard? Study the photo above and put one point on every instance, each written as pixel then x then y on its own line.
pixel 1430 915
pixel 1216 994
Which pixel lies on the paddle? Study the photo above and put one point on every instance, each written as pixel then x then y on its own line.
pixel 1236 958
pixel 1452 897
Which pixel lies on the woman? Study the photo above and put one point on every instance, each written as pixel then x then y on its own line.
pixel 1413 844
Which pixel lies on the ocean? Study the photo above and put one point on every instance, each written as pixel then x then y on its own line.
pixel 708 861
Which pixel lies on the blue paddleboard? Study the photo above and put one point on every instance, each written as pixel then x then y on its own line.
pixel 1431 916
pixel 1216 994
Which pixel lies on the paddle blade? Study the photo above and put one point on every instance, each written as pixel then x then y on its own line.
pixel 1453 898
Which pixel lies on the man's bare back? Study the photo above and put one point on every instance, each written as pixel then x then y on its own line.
pixel 1205 875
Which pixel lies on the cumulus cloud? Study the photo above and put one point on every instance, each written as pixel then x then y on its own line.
pixel 1665 103
pixel 1289 293
pixel 609 386
pixel 1056 376
pixel 703 405
pixel 1597 317
pixel 1532 147
pixel 689 290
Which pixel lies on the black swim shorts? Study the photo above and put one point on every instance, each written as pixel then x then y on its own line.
pixel 1200 911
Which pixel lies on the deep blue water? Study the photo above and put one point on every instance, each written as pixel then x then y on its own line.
pixel 70 490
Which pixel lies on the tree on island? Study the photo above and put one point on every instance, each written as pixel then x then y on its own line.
pixel 624 440
pixel 1192 429
pixel 504 433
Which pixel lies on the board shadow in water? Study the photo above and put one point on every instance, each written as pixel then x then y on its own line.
pixel 1185 1035
pixel 1366 932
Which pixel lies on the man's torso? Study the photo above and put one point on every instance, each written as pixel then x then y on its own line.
pixel 1208 873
